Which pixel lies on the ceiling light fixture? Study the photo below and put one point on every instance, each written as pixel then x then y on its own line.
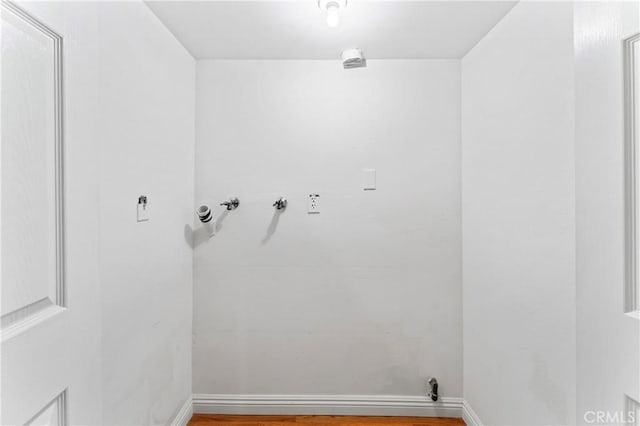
pixel 332 9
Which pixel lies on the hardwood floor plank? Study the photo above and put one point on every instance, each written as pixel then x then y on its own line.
pixel 246 420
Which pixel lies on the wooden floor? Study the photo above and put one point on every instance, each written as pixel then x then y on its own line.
pixel 219 420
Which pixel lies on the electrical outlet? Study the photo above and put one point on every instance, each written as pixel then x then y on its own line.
pixel 314 204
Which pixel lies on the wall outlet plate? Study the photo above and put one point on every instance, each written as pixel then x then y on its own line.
pixel 143 209
pixel 369 179
pixel 314 204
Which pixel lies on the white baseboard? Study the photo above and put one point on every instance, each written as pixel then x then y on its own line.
pixel 469 416
pixel 185 413
pixel 365 405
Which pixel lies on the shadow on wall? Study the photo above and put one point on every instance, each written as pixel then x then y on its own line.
pixel 548 392
pixel 201 235
pixel 272 226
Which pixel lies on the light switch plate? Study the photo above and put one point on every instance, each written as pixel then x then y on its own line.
pixel 314 204
pixel 369 179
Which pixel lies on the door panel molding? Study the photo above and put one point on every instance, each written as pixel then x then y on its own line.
pixel 52 414
pixel 630 52
pixel 37 311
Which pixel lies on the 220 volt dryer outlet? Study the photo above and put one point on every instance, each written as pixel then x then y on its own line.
pixel 314 204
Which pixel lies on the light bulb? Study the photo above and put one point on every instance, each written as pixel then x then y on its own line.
pixel 333 15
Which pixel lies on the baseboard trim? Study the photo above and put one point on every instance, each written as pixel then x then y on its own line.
pixel 365 405
pixel 469 415
pixel 185 413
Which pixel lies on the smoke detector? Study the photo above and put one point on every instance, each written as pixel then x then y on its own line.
pixel 353 58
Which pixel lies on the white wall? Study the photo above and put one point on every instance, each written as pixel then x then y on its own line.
pixel 364 298
pixel 518 219
pixel 146 147
pixel 129 103
pixel 608 354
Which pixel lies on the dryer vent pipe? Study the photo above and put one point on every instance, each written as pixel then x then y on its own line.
pixel 353 58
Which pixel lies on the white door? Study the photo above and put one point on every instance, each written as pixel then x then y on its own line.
pixel 45 353
pixel 608 351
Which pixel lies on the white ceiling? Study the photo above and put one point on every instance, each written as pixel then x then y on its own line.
pixel 297 29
